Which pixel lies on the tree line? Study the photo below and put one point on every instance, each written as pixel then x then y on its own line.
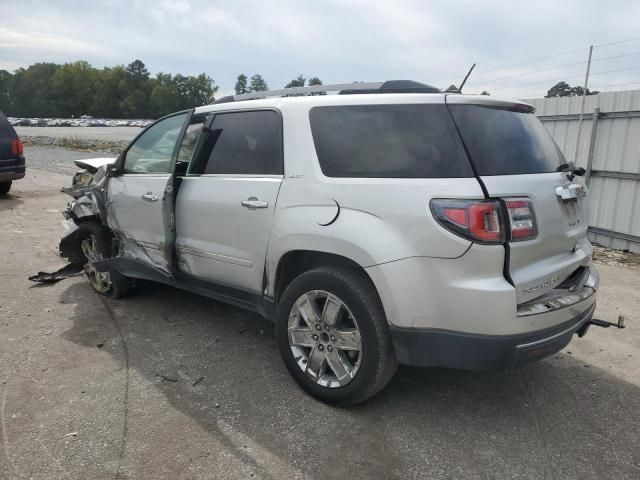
pixel 77 88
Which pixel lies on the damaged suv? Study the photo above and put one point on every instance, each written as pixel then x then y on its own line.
pixel 390 223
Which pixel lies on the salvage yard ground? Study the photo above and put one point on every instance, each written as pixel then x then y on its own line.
pixel 166 384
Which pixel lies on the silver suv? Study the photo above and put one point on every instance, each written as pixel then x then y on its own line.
pixel 389 223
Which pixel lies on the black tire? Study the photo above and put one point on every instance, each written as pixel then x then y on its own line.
pixel 378 361
pixel 5 187
pixel 121 286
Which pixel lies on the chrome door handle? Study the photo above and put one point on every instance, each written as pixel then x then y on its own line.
pixel 253 202
pixel 150 197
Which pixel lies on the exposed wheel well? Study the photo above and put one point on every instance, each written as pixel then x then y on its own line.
pixel 297 262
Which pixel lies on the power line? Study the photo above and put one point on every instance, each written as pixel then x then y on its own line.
pixel 617 42
pixel 565 78
pixel 558 67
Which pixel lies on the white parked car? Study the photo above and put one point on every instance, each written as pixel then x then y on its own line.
pixel 388 224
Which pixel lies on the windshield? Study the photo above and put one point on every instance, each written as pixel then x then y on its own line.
pixel 504 142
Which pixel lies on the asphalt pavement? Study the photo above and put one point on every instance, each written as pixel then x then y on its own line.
pixel 167 384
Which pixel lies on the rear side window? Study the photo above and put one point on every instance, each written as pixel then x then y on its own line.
pixel 388 141
pixel 246 143
pixel 6 130
pixel 504 142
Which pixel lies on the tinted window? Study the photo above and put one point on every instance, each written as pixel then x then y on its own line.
pixel 503 142
pixel 393 141
pixel 6 130
pixel 247 143
pixel 152 151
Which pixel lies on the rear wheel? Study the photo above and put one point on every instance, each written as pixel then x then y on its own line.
pixel 95 242
pixel 5 187
pixel 332 334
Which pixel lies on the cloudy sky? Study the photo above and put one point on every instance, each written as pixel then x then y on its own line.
pixel 338 41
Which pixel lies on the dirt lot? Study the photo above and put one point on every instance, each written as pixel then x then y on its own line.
pixel 166 384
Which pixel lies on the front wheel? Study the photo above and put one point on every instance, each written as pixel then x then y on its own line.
pixel 95 243
pixel 332 335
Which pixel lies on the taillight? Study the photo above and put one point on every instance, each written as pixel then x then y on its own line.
pixel 522 220
pixel 483 221
pixel 17 148
pixel 477 220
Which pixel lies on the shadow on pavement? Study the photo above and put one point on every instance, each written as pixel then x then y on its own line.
pixel 558 418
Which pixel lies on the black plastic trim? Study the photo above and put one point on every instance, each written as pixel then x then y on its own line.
pixel 468 351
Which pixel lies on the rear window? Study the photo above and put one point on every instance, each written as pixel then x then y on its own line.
pixel 388 141
pixel 504 142
pixel 6 130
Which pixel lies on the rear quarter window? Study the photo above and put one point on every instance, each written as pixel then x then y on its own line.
pixel 505 142
pixel 388 141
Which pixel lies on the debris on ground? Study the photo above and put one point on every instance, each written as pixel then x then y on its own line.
pixel 67 271
pixel 197 381
pixel 168 379
pixel 72 434
pixel 608 256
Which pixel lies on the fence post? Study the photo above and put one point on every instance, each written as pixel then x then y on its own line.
pixel 592 144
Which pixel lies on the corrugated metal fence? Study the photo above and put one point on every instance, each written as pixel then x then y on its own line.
pixel 610 151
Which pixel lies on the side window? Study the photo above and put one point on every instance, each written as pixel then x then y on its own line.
pixel 248 143
pixel 152 151
pixel 191 135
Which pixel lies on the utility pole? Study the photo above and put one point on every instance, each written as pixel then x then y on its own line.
pixel 584 97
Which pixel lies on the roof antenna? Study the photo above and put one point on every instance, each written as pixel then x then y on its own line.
pixel 465 78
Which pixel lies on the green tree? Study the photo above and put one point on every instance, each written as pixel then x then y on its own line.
pixel 258 84
pixel 241 84
pixel 5 90
pixel 296 82
pixel 563 89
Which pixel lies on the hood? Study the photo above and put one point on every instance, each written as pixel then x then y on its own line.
pixel 93 164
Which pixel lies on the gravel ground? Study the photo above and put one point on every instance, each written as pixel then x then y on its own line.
pixel 166 384
pixel 57 159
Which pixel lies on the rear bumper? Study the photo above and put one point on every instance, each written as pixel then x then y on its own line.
pixel 441 348
pixel 12 169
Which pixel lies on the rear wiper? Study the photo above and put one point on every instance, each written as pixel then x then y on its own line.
pixel 571 167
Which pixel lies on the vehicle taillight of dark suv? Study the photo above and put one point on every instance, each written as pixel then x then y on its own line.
pixel 12 165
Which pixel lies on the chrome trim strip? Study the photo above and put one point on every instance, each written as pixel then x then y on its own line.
pixel 214 256
pixel 234 175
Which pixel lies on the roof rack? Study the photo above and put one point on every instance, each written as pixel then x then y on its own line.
pixel 390 86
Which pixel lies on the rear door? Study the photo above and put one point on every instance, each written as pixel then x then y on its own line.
pixel 137 197
pixel 225 205
pixel 518 161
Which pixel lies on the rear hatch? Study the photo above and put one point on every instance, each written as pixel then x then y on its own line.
pixel 517 161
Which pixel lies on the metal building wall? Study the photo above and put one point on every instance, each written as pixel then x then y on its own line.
pixel 615 167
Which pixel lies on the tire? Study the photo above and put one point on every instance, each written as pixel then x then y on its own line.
pixel 5 187
pixel 110 284
pixel 360 317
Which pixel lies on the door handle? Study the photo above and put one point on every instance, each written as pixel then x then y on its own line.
pixel 253 202
pixel 150 197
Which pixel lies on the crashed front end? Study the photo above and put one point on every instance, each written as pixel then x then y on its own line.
pixel 89 192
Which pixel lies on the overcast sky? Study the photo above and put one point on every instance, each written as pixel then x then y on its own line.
pixel 339 41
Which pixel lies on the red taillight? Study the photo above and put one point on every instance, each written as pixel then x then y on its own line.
pixel 482 221
pixel 477 220
pixel 17 148
pixel 522 220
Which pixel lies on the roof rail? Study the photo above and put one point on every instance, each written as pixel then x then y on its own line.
pixel 390 86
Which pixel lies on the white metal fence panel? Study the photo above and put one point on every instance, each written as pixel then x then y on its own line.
pixel 614 170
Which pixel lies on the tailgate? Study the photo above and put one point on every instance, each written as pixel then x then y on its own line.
pixel 516 159
pixel 560 247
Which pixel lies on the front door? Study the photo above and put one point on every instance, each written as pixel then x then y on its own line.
pixel 225 205
pixel 136 198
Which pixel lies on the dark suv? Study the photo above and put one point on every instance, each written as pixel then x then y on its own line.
pixel 11 155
